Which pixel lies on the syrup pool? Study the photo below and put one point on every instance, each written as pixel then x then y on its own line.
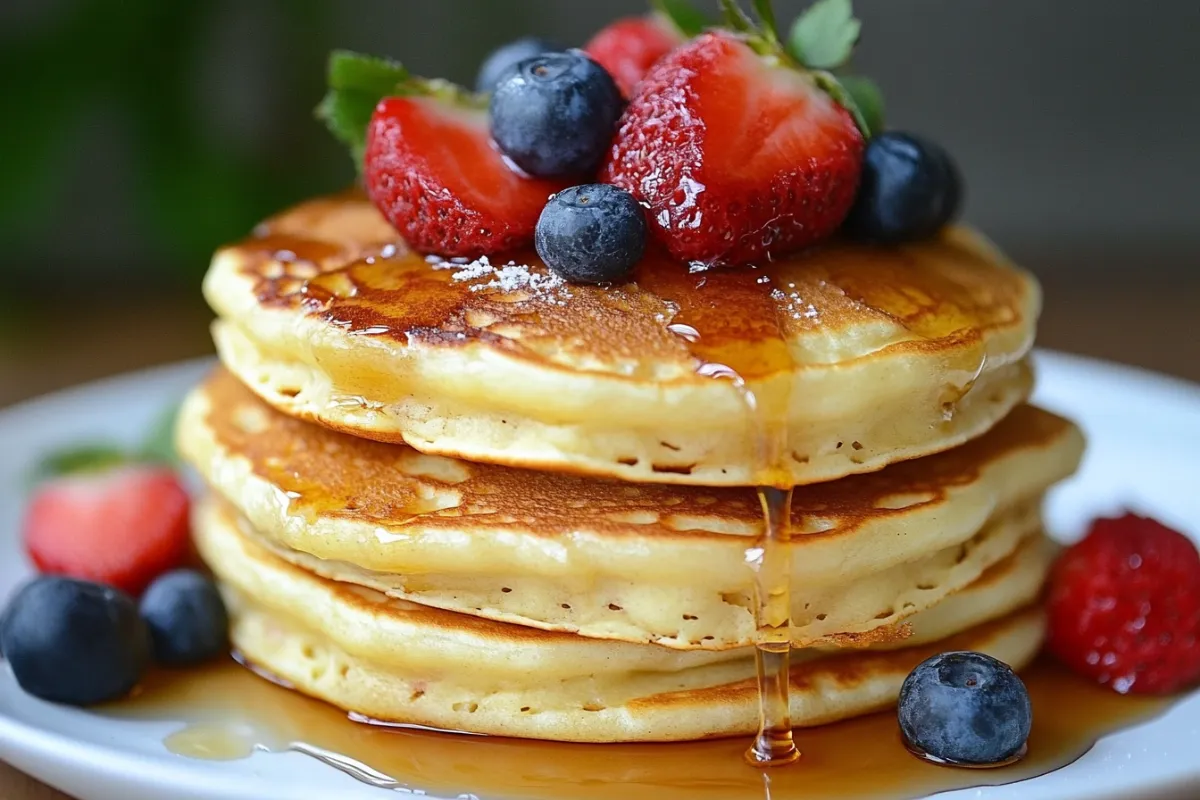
pixel 227 711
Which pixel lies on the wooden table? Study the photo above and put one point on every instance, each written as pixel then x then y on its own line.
pixel 1142 324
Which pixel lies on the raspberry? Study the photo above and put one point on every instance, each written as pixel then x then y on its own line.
pixel 1124 607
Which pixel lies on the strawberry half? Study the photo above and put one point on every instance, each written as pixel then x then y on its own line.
pixel 736 156
pixel 430 167
pixel 629 47
pixel 123 526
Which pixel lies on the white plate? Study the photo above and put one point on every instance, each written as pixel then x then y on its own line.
pixel 1144 455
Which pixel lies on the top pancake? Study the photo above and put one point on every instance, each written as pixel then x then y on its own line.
pixel 856 356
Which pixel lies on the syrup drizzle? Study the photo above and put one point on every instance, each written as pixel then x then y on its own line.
pixel 225 708
pixel 739 346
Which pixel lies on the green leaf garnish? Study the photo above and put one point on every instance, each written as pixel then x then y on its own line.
pixel 358 82
pixel 869 100
pixel 736 18
pixel 842 96
pixel 687 19
pixel 159 446
pixel 766 14
pixel 81 458
pixel 825 34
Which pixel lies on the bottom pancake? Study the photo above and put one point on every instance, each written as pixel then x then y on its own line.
pixel 397 661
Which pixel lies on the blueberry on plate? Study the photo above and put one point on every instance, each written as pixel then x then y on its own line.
pixel 910 188
pixel 591 234
pixel 554 115
pixel 74 642
pixel 187 619
pixel 965 708
pixel 506 55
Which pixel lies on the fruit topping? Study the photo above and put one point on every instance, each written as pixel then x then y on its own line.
pixel 629 47
pixel 1124 606
pixel 910 188
pixel 74 642
pixel 505 56
pixel 736 155
pixel 965 708
pixel 123 526
pixel 430 167
pixel 186 617
pixel 554 115
pixel 591 234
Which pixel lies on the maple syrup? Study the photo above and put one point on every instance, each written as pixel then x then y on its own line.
pixel 227 711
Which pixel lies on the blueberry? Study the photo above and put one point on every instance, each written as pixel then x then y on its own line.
pixel 965 708
pixel 74 642
pixel 554 115
pixel 505 56
pixel 187 619
pixel 591 234
pixel 910 188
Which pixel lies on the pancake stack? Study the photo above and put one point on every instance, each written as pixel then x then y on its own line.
pixel 470 496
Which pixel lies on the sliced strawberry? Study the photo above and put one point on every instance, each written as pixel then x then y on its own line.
pixel 737 158
pixel 430 167
pixel 629 47
pixel 124 526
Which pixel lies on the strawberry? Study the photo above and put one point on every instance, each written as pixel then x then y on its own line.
pixel 430 167
pixel 736 156
pixel 123 526
pixel 629 47
pixel 1124 607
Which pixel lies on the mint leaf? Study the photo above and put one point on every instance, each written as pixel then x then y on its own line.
pixel 81 458
pixel 868 98
pixel 689 21
pixel 825 34
pixel 834 88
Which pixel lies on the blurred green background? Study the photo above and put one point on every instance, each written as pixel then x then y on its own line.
pixel 137 135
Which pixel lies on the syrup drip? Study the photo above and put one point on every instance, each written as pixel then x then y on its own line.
pixel 224 710
pixel 730 322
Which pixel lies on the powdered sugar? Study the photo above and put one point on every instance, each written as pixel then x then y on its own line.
pixel 794 304
pixel 509 278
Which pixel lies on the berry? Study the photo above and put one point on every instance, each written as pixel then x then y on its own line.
pixel 591 234
pixel 187 619
pixel 736 159
pixel 1124 607
pixel 629 47
pixel 910 188
pixel 432 171
pixel 554 114
pixel 124 526
pixel 965 708
pixel 505 56
pixel 74 642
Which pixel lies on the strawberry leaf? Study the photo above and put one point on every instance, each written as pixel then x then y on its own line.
pixel 766 15
pixel 81 458
pixel 868 98
pixel 825 34
pixel 159 446
pixel 736 18
pixel 358 82
pixel 689 21
pixel 842 96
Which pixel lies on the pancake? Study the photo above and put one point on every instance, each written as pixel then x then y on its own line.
pixel 856 356
pixel 396 661
pixel 662 564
